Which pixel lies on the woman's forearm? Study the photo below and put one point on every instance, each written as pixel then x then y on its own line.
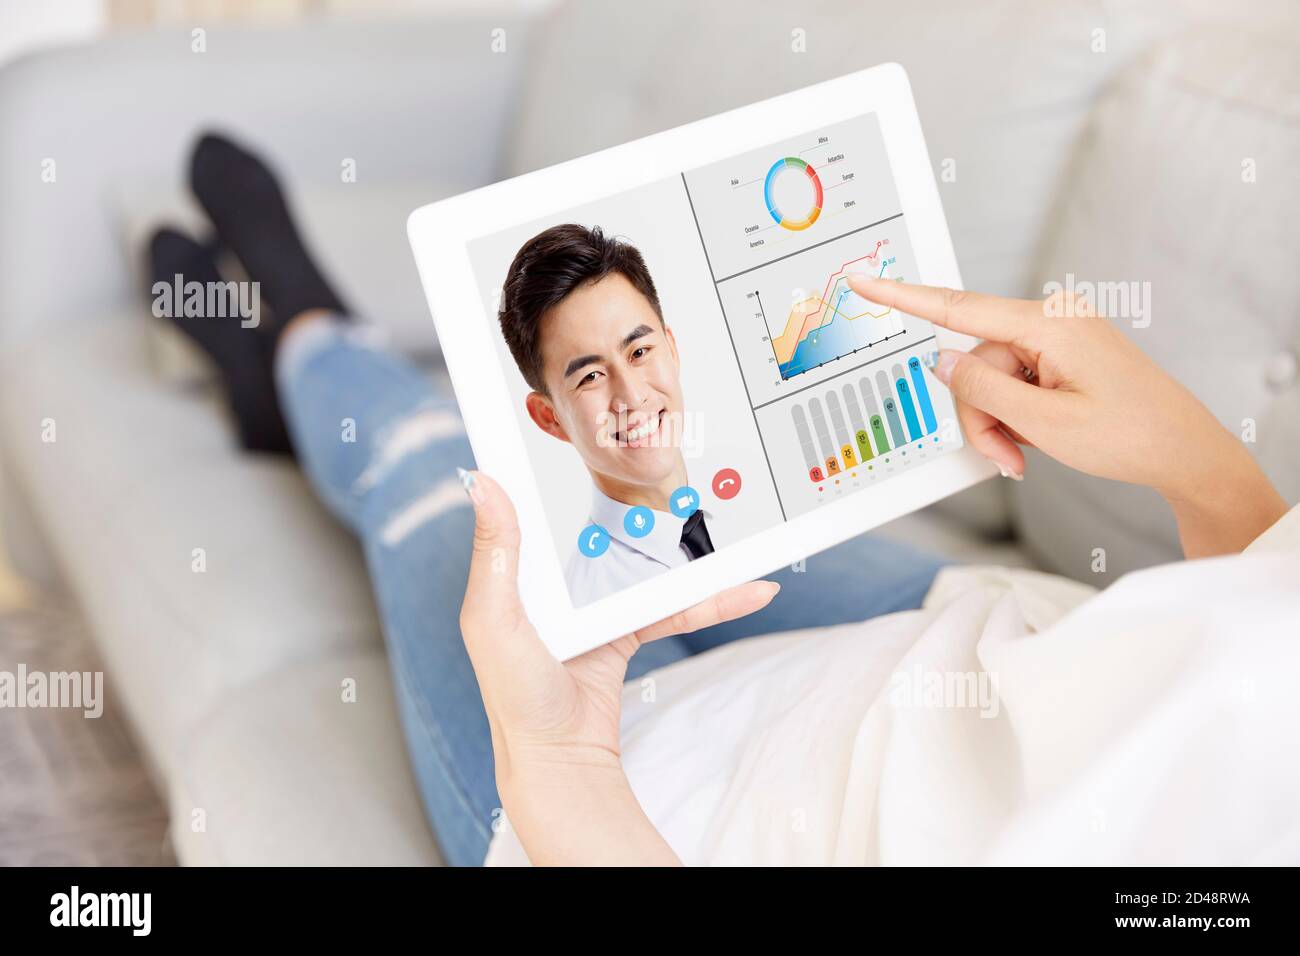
pixel 1225 505
pixel 581 813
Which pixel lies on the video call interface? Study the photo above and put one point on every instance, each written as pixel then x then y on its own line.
pixel 788 391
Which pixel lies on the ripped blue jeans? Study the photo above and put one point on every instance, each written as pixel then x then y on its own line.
pixel 380 442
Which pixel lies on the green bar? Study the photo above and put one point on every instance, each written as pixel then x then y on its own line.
pixel 864 446
pixel 878 429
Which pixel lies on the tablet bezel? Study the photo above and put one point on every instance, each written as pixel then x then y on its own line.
pixel 440 234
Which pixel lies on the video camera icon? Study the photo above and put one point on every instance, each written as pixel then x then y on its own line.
pixel 684 502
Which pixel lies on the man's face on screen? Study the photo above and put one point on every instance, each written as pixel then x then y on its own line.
pixel 612 371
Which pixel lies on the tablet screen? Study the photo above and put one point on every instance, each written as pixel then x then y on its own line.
pixel 689 366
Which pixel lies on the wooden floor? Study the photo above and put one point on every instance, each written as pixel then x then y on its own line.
pixel 73 790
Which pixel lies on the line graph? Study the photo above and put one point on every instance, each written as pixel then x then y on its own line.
pixel 822 328
pixel 794 321
pixel 837 384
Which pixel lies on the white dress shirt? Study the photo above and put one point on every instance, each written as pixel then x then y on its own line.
pixel 627 560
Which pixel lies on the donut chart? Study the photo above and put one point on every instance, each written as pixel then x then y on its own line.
pixel 792 165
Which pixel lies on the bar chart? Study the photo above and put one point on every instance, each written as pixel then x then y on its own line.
pixel 859 428
pixel 834 435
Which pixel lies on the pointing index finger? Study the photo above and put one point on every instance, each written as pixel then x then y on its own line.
pixel 987 317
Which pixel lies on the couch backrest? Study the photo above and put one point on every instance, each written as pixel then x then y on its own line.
pixel 1003 88
pixel 1181 215
pixel 408 101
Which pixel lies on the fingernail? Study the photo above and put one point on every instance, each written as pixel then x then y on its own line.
pixel 467 480
pixel 776 587
pixel 944 365
pixel 930 359
pixel 1010 473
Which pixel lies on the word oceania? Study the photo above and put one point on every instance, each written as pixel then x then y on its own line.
pixel 103 909
pixel 84 689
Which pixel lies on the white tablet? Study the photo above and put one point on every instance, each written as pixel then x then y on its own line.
pixel 657 355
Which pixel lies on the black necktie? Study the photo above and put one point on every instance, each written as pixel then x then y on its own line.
pixel 695 536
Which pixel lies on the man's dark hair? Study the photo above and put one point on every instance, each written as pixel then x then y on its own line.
pixel 551 265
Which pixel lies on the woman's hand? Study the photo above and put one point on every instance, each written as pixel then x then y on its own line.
pixel 555 726
pixel 1053 375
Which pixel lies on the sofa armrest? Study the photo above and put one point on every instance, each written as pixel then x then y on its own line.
pixel 405 100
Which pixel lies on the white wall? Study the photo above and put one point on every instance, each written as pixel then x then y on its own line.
pixel 27 25
pixel 30 24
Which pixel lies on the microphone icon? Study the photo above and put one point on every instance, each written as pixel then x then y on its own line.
pixel 639 521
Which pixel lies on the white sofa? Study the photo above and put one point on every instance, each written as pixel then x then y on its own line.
pixel 1110 164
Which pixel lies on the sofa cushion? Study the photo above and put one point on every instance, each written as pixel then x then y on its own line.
pixel 137 478
pixel 1186 182
pixel 286 772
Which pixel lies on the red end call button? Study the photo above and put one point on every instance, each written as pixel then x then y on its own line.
pixel 726 484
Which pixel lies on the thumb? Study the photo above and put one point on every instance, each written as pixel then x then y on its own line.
pixel 507 655
pixel 493 590
pixel 1006 397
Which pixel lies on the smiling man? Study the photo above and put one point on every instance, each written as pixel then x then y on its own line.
pixel 581 316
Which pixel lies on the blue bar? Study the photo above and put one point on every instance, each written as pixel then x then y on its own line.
pixel 909 412
pixel 922 394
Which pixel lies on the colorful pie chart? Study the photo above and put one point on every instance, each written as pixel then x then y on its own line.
pixel 793 219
